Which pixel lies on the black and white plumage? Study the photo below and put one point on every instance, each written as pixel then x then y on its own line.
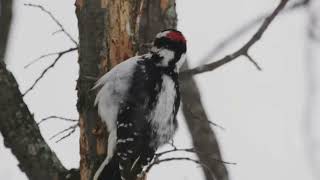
pixel 138 100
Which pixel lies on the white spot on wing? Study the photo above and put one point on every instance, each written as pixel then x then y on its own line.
pixel 121 141
pixel 129 139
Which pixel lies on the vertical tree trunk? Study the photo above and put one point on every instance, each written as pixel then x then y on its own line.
pixel 106 29
pixel 5 24
pixel 111 31
pixel 312 113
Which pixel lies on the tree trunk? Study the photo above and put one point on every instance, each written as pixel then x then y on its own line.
pixel 106 29
pixel 111 31
pixel 5 24
pixel 312 113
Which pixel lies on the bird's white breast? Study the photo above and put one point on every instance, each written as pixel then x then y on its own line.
pixel 162 115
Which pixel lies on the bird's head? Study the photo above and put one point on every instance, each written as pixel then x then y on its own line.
pixel 170 46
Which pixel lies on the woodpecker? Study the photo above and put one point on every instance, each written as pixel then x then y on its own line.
pixel 138 100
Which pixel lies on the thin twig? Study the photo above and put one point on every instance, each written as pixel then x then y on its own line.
pixel 159 161
pixel 195 115
pixel 253 62
pixel 67 135
pixel 58 31
pixel 156 162
pixel 55 20
pixel 242 51
pixel 189 150
pixel 217 125
pixel 71 130
pixel 174 150
pixel 50 54
pixel 57 117
pixel 245 28
pixel 47 69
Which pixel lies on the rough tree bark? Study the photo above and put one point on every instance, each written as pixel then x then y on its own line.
pixel 106 30
pixel 17 126
pixel 111 31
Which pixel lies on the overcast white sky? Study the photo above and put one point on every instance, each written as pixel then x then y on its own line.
pixel 261 111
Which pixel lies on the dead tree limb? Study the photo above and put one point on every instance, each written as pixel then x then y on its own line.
pixel 243 51
pixel 203 137
pixel 17 126
pixel 55 20
pixel 45 71
pixel 245 28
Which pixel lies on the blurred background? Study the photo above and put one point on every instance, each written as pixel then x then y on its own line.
pixel 269 116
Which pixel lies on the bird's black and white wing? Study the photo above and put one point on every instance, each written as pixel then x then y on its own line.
pixel 114 87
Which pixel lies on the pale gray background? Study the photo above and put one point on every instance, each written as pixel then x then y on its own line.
pixel 263 112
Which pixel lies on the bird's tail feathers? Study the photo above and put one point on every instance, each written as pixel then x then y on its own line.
pixel 109 171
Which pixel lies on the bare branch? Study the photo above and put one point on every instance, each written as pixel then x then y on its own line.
pixel 55 20
pixel 70 131
pixel 158 161
pixel 57 117
pixel 189 150
pixel 242 51
pixel 253 62
pixel 47 69
pixel 50 54
pixel 175 149
pixel 245 28
pixel 217 125
pixel 56 32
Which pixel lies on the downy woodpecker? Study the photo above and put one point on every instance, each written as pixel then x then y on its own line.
pixel 138 100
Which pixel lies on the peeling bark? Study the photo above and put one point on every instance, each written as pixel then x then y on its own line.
pixel 106 30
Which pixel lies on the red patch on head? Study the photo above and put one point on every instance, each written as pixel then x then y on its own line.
pixel 176 36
